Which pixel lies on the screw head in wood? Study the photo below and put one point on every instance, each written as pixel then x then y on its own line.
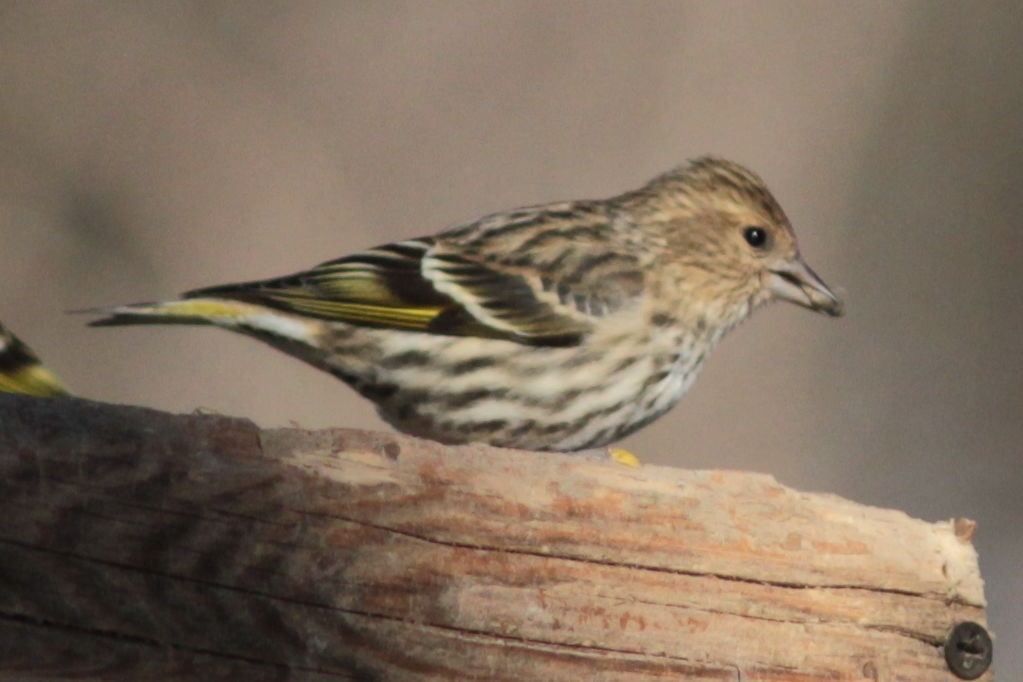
pixel 968 650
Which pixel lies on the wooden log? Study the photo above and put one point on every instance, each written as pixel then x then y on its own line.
pixel 140 545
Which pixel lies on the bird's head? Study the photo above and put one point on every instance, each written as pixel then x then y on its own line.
pixel 732 243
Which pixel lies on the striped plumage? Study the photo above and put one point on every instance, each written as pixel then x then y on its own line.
pixel 554 327
pixel 22 372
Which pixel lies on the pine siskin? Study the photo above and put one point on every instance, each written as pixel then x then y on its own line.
pixel 22 372
pixel 554 327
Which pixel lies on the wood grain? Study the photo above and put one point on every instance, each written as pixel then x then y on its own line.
pixel 139 545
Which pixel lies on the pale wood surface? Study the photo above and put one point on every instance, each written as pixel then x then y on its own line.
pixel 138 545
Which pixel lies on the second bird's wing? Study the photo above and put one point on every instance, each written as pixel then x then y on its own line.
pixel 426 286
pixel 22 372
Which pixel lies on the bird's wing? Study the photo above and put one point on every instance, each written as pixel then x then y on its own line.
pixel 537 273
pixel 382 286
pixel 22 372
pixel 444 288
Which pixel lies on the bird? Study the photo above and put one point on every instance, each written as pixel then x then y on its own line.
pixel 21 371
pixel 559 327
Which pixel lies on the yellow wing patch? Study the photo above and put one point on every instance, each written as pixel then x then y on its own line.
pixel 21 371
pixel 33 380
pixel 404 317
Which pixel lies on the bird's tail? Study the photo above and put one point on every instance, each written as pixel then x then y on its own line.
pixel 22 372
pixel 240 316
pixel 185 311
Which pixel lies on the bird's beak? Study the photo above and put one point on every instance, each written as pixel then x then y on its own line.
pixel 794 281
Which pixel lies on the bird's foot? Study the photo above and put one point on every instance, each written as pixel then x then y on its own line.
pixel 624 457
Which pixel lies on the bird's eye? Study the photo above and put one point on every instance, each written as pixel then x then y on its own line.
pixel 755 237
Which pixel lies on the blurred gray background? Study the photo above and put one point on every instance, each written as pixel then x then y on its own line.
pixel 147 148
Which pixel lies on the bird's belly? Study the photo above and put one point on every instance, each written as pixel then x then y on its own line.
pixel 461 390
